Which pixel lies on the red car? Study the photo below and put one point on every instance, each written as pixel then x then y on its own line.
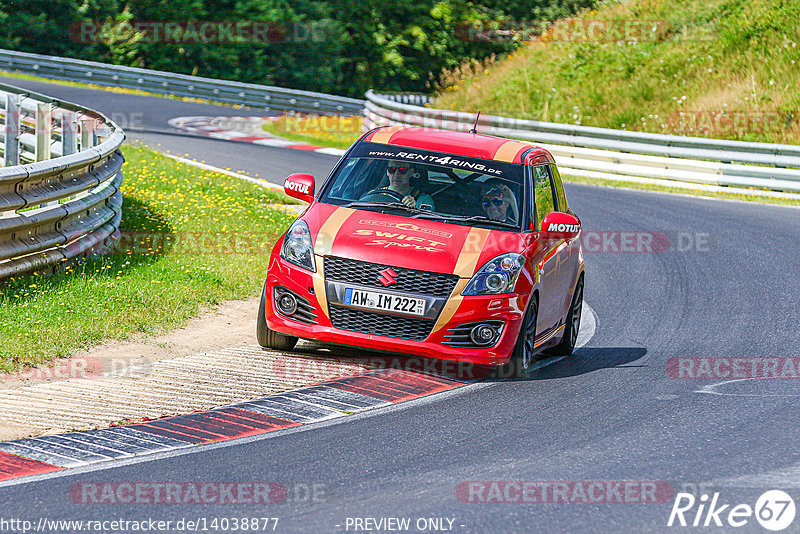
pixel 432 243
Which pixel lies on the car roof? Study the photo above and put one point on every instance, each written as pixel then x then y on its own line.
pixel 458 143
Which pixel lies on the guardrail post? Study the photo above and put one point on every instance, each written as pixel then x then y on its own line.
pixel 87 134
pixel 69 141
pixel 69 133
pixel 44 115
pixel 102 131
pixel 12 130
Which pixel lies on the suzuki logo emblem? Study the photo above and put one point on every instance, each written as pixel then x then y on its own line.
pixel 387 276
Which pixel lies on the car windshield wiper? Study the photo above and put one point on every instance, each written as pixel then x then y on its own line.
pixel 483 219
pixel 426 214
pixel 396 205
pixel 419 213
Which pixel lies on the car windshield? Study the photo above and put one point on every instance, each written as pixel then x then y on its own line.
pixel 423 184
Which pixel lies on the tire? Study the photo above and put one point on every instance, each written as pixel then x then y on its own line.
pixel 268 338
pixel 522 356
pixel 573 323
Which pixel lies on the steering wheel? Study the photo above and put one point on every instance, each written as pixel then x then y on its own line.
pixel 379 195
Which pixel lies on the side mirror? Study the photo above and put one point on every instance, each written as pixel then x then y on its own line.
pixel 300 185
pixel 560 225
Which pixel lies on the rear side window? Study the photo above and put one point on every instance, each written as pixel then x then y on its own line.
pixel 561 198
pixel 542 193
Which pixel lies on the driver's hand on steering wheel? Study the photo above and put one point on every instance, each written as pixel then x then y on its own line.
pixel 409 201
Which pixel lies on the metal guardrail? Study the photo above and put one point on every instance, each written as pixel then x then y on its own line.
pixel 59 188
pixel 614 154
pixel 259 96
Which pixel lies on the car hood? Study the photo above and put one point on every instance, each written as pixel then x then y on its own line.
pixel 403 242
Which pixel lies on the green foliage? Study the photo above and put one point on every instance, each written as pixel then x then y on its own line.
pixel 335 46
pixel 40 26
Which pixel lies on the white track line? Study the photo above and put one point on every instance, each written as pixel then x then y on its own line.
pixel 711 389
pixel 258 181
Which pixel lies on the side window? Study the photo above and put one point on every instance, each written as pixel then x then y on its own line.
pixel 542 193
pixel 561 198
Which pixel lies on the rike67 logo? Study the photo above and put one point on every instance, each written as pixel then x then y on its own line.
pixel 774 510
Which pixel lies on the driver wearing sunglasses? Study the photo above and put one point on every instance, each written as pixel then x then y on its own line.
pixel 497 198
pixel 400 174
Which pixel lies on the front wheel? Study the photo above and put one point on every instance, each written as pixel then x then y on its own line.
pixel 573 323
pixel 268 338
pixel 522 357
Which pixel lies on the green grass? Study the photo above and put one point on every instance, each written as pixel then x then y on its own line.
pixel 328 131
pixel 716 68
pixel 192 238
pixel 667 189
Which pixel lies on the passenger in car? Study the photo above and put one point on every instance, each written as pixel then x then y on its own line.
pixel 497 199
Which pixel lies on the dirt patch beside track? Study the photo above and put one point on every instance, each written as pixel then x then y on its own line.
pixel 213 361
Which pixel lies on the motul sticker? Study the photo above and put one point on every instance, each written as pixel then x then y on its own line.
pixel 560 227
pixel 298 187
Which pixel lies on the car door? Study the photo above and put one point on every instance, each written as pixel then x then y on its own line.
pixel 567 254
pixel 550 263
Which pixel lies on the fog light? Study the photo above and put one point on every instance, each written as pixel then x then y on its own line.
pixel 287 304
pixel 482 334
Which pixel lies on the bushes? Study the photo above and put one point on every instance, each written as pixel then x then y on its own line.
pixel 337 46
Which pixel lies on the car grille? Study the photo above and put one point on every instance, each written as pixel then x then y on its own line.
pixel 408 280
pixel 380 324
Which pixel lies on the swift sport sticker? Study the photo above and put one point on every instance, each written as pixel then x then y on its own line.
pixel 394 239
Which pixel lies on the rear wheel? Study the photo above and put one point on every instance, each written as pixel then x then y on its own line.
pixel 268 338
pixel 522 357
pixel 573 323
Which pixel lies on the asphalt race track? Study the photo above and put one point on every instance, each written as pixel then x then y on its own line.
pixel 725 286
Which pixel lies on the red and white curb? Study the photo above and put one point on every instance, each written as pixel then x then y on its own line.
pixel 327 400
pixel 334 398
pixel 245 130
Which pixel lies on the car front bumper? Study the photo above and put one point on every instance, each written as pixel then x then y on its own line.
pixel 457 311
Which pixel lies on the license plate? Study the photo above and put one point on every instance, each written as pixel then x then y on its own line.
pixel 376 300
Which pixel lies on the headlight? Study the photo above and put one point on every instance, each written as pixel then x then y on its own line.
pixel 496 277
pixel 297 247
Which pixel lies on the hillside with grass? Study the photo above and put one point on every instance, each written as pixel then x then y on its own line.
pixel 712 68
